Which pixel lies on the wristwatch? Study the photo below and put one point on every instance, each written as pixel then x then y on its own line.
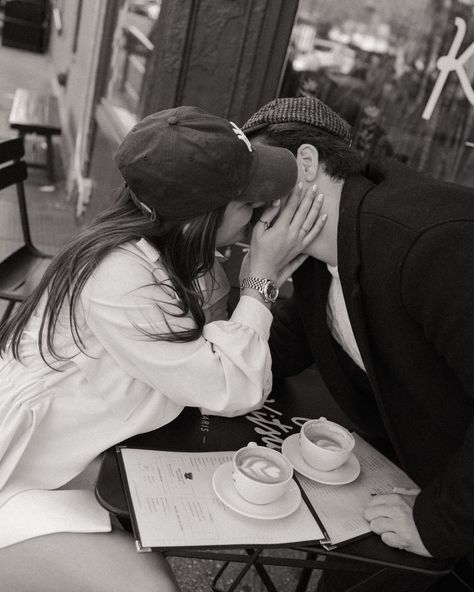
pixel 267 288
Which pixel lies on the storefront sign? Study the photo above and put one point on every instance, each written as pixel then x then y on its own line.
pixel 449 63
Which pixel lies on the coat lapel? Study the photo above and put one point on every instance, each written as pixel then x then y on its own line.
pixel 311 284
pixel 350 267
pixel 349 261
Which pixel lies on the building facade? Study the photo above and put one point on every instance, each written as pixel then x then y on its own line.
pixel 401 73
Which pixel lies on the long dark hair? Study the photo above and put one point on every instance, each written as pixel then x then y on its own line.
pixel 187 249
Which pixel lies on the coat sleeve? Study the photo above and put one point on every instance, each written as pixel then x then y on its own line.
pixel 437 285
pixel 289 346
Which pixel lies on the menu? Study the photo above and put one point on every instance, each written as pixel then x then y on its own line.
pixel 341 507
pixel 172 502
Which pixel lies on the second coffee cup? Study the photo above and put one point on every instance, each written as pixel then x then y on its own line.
pixel 261 475
pixel 325 445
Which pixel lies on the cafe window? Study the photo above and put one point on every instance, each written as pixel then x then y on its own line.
pixel 376 64
pixel 130 58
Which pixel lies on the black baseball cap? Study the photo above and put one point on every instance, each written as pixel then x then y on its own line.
pixel 184 162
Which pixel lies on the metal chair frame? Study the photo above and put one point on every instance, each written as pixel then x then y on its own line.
pixel 19 271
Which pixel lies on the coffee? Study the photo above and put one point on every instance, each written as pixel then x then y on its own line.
pixel 260 468
pixel 325 445
pixel 261 475
pixel 325 440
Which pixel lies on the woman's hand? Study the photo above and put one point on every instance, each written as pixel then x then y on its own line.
pixel 281 235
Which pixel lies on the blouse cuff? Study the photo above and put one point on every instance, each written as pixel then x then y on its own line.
pixel 249 311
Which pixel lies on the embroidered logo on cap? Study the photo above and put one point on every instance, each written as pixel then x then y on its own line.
pixel 240 134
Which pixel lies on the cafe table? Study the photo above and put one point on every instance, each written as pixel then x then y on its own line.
pixel 290 404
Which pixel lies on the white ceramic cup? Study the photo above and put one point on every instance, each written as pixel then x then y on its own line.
pixel 325 445
pixel 261 475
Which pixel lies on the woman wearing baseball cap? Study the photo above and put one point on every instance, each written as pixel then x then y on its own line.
pixel 119 337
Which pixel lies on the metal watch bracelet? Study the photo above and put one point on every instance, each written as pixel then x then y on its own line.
pixel 264 286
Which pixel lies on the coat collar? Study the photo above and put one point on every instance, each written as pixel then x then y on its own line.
pixel 349 261
pixel 348 241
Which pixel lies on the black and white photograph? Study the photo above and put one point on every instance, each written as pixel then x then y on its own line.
pixel 236 296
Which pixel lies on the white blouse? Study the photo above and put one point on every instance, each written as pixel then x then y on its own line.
pixel 53 424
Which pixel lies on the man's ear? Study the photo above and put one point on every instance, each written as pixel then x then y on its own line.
pixel 307 158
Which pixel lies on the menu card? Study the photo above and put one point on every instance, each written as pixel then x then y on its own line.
pixel 172 502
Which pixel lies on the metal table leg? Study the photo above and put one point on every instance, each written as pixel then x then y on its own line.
pixel 254 555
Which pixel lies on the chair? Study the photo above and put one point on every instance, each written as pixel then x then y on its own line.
pixel 21 271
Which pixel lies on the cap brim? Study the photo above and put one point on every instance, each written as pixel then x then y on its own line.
pixel 252 128
pixel 274 176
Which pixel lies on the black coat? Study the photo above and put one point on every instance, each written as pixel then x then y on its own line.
pixel 406 263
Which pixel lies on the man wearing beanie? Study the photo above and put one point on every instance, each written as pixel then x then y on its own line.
pixel 384 306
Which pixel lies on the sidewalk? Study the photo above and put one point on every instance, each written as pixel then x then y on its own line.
pixel 51 215
pixel 52 223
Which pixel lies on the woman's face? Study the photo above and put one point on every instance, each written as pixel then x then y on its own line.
pixel 234 224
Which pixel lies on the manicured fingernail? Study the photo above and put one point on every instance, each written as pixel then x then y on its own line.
pixel 314 188
pixel 300 185
pixel 324 217
pixel 320 197
pixel 276 202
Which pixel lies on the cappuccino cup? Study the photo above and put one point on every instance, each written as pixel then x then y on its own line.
pixel 261 475
pixel 325 445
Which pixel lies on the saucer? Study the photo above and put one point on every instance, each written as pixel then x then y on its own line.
pixel 344 474
pixel 223 485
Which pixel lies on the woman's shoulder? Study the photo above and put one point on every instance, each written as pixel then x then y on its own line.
pixel 129 258
pixel 131 267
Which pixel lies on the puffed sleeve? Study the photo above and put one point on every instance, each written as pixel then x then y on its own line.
pixel 227 371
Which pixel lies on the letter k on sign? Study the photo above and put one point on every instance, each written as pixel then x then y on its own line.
pixel 448 63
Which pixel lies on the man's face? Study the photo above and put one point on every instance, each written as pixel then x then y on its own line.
pixel 311 172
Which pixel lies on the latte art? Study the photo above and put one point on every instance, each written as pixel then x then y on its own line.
pixel 261 475
pixel 261 469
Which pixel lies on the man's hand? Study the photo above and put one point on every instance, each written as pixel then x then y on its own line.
pixel 391 516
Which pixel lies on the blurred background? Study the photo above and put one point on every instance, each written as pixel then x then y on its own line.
pixel 109 62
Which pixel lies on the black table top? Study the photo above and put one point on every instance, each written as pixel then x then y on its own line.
pixel 290 404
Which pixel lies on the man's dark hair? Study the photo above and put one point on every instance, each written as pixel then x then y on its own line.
pixel 338 158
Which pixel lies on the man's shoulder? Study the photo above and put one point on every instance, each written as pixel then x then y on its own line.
pixel 413 199
pixel 391 174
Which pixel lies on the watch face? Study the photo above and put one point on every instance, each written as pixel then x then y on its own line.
pixel 271 291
